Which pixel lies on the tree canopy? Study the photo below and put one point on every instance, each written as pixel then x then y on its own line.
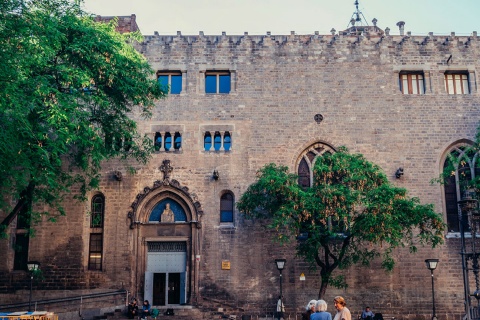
pixel 350 215
pixel 68 88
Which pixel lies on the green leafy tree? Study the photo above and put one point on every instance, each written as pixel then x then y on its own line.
pixel 68 88
pixel 351 214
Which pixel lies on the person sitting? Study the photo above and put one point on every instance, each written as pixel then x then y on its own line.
pixel 146 309
pixel 367 314
pixel 132 309
pixel 378 316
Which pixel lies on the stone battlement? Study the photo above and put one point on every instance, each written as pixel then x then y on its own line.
pixel 236 47
pixel 316 38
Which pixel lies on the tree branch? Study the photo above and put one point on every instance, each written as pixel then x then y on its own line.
pixel 25 197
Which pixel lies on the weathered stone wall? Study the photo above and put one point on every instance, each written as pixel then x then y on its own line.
pixel 279 83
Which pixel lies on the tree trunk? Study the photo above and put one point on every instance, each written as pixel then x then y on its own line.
pixel 25 197
pixel 324 277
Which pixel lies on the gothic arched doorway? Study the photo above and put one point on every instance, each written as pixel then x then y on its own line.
pixel 166 219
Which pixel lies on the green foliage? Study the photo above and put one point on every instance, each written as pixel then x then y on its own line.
pixel 352 214
pixel 68 85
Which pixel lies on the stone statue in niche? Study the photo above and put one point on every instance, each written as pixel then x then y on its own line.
pixel 167 214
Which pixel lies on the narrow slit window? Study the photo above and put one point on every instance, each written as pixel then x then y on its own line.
pixel 227 141
pixel 158 141
pixel 95 251
pixel 207 141
pixel 217 141
pixel 168 141
pixel 97 214
pixel 177 141
pixel 20 259
pixel 226 207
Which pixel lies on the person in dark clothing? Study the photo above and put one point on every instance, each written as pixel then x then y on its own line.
pixel 132 309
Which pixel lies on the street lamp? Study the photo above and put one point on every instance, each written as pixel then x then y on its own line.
pixel 32 266
pixel 469 217
pixel 432 265
pixel 280 265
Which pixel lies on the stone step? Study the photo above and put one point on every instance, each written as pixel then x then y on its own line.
pixel 191 313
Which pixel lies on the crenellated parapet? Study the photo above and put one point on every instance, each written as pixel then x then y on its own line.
pixel 337 43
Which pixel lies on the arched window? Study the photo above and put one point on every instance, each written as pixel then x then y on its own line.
pixel 207 141
pixel 307 160
pixel 168 141
pixel 304 174
pixel 305 164
pixel 158 141
pixel 177 141
pixel 226 207
pixel 96 217
pixel 227 141
pixel 463 163
pixel 217 141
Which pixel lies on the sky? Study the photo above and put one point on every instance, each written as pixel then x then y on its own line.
pixel 283 16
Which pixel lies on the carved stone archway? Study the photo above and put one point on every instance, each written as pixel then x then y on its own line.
pixel 166 183
pixel 152 233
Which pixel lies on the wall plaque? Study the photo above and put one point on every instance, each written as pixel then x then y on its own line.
pixel 225 265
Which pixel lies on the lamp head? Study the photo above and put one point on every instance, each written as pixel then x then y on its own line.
pixel 280 263
pixel 431 264
pixel 33 265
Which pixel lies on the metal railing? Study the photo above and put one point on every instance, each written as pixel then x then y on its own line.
pixel 29 316
pixel 65 301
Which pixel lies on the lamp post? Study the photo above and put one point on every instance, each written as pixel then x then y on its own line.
pixel 32 266
pixel 280 265
pixel 468 216
pixel 432 265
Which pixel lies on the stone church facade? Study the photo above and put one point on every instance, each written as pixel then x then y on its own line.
pixel 236 103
